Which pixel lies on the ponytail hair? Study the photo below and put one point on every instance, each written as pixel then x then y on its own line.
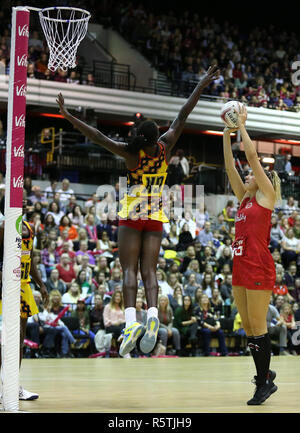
pixel 146 135
pixel 276 182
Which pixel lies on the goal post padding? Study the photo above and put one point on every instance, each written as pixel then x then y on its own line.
pixel 14 179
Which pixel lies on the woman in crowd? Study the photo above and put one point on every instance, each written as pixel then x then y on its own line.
pixel 166 329
pixel 67 224
pixel 216 302
pixel 208 284
pixel 173 282
pixel 276 234
pixel 36 258
pixel 185 238
pixel 84 283
pixel 162 282
pixel 176 300
pixel 83 236
pixel 102 266
pixel 290 246
pixel 288 318
pixel 54 283
pixel 50 256
pixel 113 315
pixel 91 229
pixel 84 331
pixel 77 217
pixel 96 314
pixel 225 258
pixel 186 323
pixel 49 223
pixel 193 268
pixel 191 286
pixel 54 210
pixel 72 295
pixel 105 246
pixel 171 241
pixel 210 327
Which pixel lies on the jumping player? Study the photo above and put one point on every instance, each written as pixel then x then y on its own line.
pixel 140 227
pixel 28 269
pixel 253 274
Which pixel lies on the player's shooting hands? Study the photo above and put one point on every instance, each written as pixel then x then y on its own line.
pixel 229 130
pixel 241 116
pixel 61 102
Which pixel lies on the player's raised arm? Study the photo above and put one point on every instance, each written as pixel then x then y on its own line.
pixel 171 136
pixel 232 173
pixel 262 180
pixel 91 133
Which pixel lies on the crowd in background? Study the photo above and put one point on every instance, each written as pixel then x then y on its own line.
pixel 76 252
pixel 256 64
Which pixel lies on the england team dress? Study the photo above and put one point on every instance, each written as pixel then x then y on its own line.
pixel 253 264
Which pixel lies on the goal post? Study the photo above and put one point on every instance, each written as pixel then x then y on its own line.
pixel 11 276
pixel 64 28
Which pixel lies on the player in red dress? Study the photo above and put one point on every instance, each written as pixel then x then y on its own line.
pixel 253 274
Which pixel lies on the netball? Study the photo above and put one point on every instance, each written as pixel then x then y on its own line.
pixel 229 113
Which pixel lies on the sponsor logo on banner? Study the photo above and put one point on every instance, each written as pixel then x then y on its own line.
pixel 19 151
pixel 18 182
pixel 22 61
pixel 19 109
pixel 23 30
pixel 21 91
pixel 17 272
pixel 17 268
pixel 20 121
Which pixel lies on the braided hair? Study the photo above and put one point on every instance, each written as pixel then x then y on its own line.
pixel 146 134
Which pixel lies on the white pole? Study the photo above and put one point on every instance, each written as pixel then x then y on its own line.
pixel 10 339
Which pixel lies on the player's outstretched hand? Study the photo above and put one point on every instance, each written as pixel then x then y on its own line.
pixel 61 102
pixel 241 115
pixel 211 75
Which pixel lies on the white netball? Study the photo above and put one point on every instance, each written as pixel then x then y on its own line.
pixel 229 113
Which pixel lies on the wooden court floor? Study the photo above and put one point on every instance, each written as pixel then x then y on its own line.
pixel 172 385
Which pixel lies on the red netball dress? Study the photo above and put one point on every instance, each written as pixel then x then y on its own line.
pixel 253 264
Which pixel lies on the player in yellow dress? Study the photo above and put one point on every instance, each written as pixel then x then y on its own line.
pixel 28 269
pixel 141 215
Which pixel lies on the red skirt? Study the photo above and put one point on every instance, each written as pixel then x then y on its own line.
pixel 141 225
pixel 252 276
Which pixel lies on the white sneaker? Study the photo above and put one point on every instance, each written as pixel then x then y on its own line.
pixel 27 395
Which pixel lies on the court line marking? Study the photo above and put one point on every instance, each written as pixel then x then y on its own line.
pixel 128 380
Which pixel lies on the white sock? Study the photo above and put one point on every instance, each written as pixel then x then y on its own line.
pixel 152 312
pixel 130 316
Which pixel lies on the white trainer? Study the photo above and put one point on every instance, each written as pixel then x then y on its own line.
pixel 27 395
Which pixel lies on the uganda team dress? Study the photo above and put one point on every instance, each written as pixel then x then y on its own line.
pixel 253 264
pixel 142 206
